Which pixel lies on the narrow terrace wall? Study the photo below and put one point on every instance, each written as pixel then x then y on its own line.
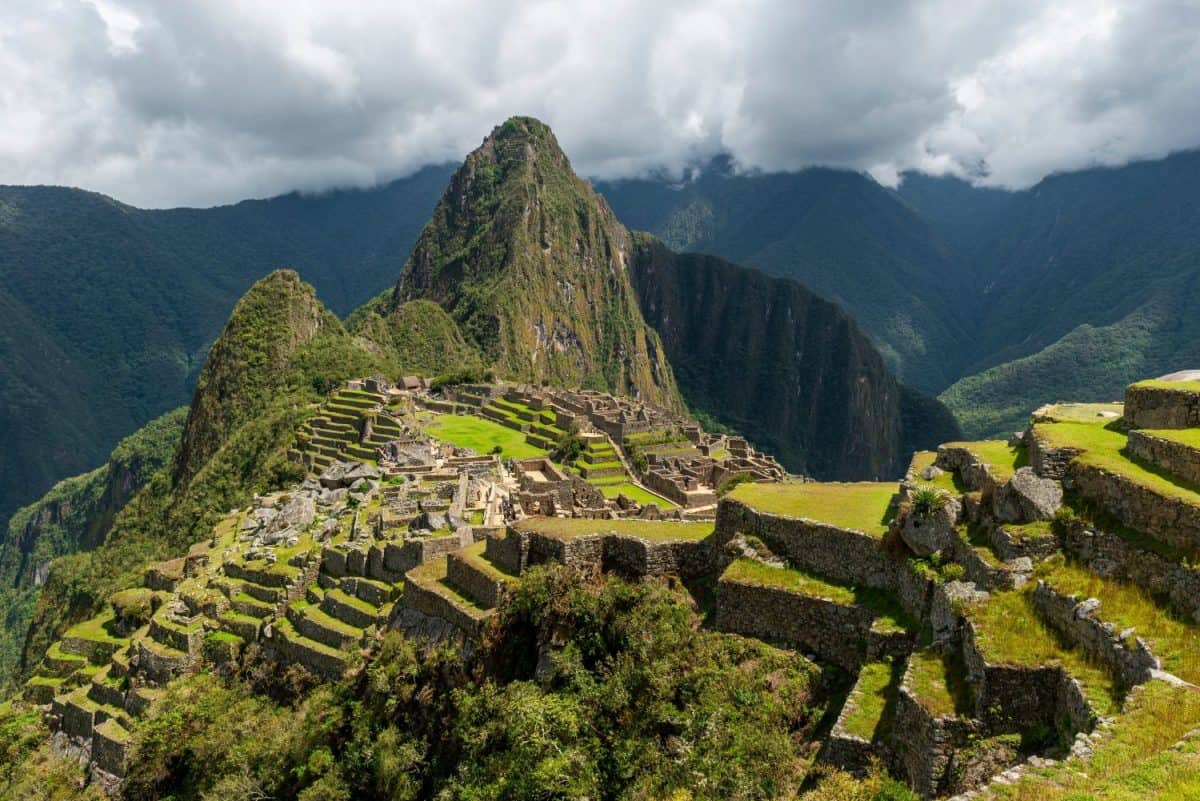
pixel 840 554
pixel 1161 407
pixel 1176 458
pixel 1169 520
pixel 1112 557
pixel 1076 621
pixel 1045 459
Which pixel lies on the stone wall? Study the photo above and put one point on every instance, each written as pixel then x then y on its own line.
pixel 637 557
pixel 1112 557
pixel 837 633
pixel 1010 545
pixel 484 588
pixel 591 554
pixel 1169 520
pixel 401 557
pixel 1047 460
pixel 925 745
pixel 1128 658
pixel 1161 407
pixel 1174 457
pixel 1017 698
pixel 840 554
pixel 970 469
pixel 431 604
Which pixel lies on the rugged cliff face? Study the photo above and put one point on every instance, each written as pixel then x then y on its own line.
pixel 792 371
pixel 533 266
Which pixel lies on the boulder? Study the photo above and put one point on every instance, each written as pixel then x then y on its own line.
pixel 334 476
pixel 932 472
pixel 1027 497
pixel 926 534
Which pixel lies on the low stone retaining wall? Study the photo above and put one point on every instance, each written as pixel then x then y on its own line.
pixel 1169 520
pixel 1077 622
pixel 637 557
pixel 1016 698
pixel 1047 460
pixel 843 555
pixel 837 633
pixel 1010 545
pixel 1112 557
pixel 1176 458
pixel 925 745
pixel 432 604
pixel 401 557
pixel 970 469
pixel 474 582
pixel 591 554
pixel 1161 407
pixel 108 750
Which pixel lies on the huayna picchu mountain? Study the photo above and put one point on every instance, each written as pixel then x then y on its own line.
pixel 533 266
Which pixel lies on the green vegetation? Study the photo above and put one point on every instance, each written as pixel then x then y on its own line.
pixel 636 493
pixel 862 507
pixel 1002 458
pixel 1009 632
pixel 1175 642
pixel 1082 412
pixel 948 481
pixel 75 515
pixel 1177 386
pixel 874 699
pixel 888 612
pixel 939 685
pixel 1103 447
pixel 483 436
pixel 1151 754
pixel 1184 436
pixel 928 499
pixel 646 529
pixel 422 724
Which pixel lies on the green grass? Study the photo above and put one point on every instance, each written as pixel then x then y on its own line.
pixel 1081 412
pixel 1103 447
pixel 634 492
pixel 1009 632
pixel 947 481
pixel 1135 762
pixel 937 684
pixel 874 700
pixel 474 555
pixel 1175 642
pixel 1036 530
pixel 664 530
pixel 1002 459
pixel 482 436
pixel 96 629
pixel 1184 436
pixel 864 507
pixel 879 602
pixel 1181 386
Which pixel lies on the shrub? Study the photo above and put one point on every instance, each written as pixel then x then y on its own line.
pixel 927 500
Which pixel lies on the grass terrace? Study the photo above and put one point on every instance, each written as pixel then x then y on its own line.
pixel 947 481
pixel 997 454
pixel 1082 412
pixel 1176 643
pixel 875 700
pixel 482 436
pixel 96 629
pixel 1189 437
pixel 1009 632
pixel 1103 448
pixel 634 492
pixel 885 608
pixel 1152 754
pixel 1181 386
pixel 864 507
pixel 938 684
pixel 660 530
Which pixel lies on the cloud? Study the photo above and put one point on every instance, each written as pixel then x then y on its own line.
pixel 206 102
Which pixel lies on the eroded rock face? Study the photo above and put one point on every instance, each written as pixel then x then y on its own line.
pixel 1027 497
pixel 926 534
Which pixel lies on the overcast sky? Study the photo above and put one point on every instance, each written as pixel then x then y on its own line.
pixel 198 103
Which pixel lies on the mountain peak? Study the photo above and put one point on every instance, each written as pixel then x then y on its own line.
pixel 532 265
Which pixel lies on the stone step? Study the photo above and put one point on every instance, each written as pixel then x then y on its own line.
pixel 59 663
pixel 375 592
pixel 110 741
pixel 185 638
pixel 349 609
pixel 246 604
pixel 292 646
pixel 244 626
pixel 139 699
pixel 315 624
pixel 472 575
pixel 106 690
pixel 427 592
pixel 42 689
pixel 160 663
pixel 613 470
pixel 865 722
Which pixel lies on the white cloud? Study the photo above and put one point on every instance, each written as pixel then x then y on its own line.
pixel 163 103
